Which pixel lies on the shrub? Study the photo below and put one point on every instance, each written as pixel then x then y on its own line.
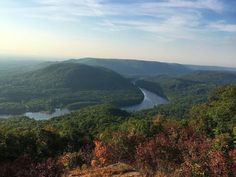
pixel 25 167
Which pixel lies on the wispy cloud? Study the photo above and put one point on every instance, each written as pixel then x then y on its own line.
pixel 223 26
pixel 177 19
pixel 121 28
pixel 107 8
pixel 179 26
pixel 213 5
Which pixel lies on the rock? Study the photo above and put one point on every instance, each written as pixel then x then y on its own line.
pixel 115 170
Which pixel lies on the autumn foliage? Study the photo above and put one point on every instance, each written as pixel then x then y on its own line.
pixel 203 145
pixel 177 151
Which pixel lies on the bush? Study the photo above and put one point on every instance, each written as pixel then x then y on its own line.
pixel 25 167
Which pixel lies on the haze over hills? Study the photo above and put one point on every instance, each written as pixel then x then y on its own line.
pixel 135 67
pixel 125 67
pixel 11 67
pixel 145 68
pixel 211 68
pixel 215 77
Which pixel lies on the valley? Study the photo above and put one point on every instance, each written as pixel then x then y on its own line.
pixel 71 85
pixel 149 101
pixel 72 118
pixel 118 88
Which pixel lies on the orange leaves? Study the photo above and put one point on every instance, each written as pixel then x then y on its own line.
pixel 101 152
pixel 100 149
pixel 218 164
pixel 178 150
pixel 94 163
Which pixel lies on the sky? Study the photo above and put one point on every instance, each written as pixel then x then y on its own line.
pixel 179 31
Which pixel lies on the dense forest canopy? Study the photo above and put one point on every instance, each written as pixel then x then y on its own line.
pixel 202 145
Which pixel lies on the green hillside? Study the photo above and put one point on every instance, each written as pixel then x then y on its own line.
pixel 76 76
pixel 185 90
pixel 69 85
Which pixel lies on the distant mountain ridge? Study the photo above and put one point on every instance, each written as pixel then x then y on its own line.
pixel 134 67
pixel 125 67
pixel 211 68
pixel 209 76
pixel 130 68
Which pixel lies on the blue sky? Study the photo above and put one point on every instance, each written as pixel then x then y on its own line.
pixel 183 31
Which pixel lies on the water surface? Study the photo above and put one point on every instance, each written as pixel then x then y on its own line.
pixel 150 100
pixel 45 116
pixel 40 115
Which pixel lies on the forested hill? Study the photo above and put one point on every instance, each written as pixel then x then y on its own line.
pixel 135 67
pixel 69 85
pixel 76 76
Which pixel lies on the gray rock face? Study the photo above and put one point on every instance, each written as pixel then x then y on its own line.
pixel 115 170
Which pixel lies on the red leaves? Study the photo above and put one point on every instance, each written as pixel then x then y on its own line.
pixel 218 164
pixel 232 156
pixel 177 151
pixel 158 153
pixel 101 153
pixel 100 149
pixel 121 147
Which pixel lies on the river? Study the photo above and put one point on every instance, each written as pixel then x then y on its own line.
pixel 41 115
pixel 150 100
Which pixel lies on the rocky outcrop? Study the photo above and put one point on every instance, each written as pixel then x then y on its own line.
pixel 115 170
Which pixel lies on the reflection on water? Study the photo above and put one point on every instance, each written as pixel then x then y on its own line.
pixel 41 115
pixel 2 116
pixel 150 100
pixel 45 116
